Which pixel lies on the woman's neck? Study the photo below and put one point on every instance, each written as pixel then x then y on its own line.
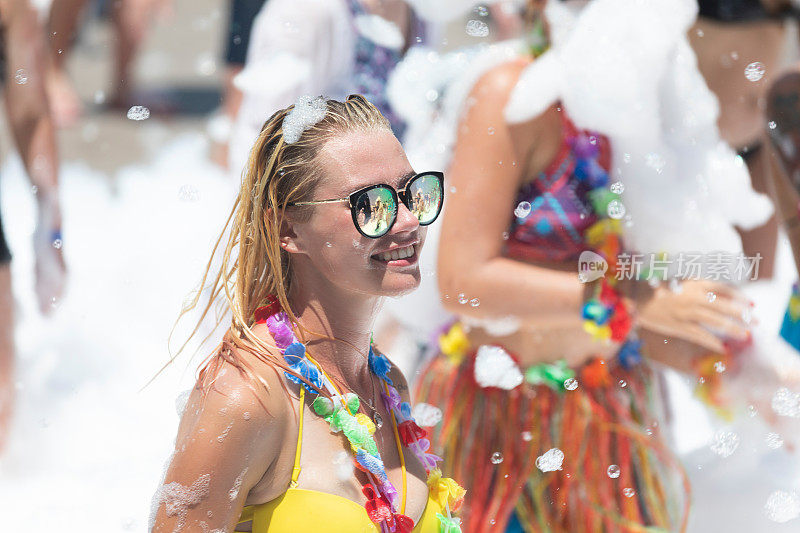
pixel 329 312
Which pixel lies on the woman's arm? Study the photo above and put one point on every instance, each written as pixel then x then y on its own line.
pixel 226 441
pixel 486 172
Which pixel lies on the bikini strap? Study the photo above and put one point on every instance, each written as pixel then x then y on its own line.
pixel 296 467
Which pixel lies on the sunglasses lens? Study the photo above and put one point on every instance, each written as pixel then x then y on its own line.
pixel 425 197
pixel 375 211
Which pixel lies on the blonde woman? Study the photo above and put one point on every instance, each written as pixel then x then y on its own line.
pixel 296 423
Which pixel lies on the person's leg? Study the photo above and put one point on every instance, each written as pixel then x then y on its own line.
pixel 6 353
pixel 762 240
pixel 131 19
pixel 65 104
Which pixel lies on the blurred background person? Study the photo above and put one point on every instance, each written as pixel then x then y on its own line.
pixel 330 47
pixel 241 16
pixel 23 75
pixel 131 20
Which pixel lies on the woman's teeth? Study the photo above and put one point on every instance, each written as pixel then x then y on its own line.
pixel 400 253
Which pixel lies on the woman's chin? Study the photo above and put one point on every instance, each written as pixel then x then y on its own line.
pixel 396 284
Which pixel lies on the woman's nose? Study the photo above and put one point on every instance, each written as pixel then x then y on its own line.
pixel 406 221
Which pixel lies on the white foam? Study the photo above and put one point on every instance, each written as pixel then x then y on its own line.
pixel 306 112
pixel 494 367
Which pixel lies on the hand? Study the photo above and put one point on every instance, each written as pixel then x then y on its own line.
pixel 51 271
pixel 703 313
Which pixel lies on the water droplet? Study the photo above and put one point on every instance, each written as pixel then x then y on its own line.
pixel 772 125
pixel 628 492
pixel 655 161
pixel 725 443
pixel 617 187
pixel 616 209
pixel 378 419
pixel 613 471
pixel 505 235
pixel 752 410
pixel 206 64
pixel 453 188
pixel 774 441
pixel 475 302
pixel 497 458
pixel 34 189
pixel 490 131
pixel 328 244
pixel 522 210
pixel 99 97
pixel 754 71
pixel 426 415
pixel 700 33
pixel 550 461
pixel 481 11
pixel 246 415
pixel 711 296
pixel 623 383
pixel 782 506
pixel 527 436
pixel 57 244
pixel 477 28
pixel 571 384
pixel 21 77
pixel 188 193
pixel 719 367
pixel 786 403
pixel 432 95
pixel 138 112
pixel 462 298
pixel 626 158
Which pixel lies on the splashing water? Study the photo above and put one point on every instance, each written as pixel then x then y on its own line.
pixel 725 443
pixel 477 28
pixel 494 367
pixel 617 187
pixel 426 415
pixel 550 461
pixel 138 112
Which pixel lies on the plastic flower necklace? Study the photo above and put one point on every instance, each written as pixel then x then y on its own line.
pixel 384 506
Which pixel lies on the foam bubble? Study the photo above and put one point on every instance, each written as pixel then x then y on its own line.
pixel 306 112
pixel 494 367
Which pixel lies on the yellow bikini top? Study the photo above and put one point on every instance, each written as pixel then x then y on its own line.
pixel 310 510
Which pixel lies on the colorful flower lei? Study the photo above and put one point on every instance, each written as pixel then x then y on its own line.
pixel 341 412
pixel 606 314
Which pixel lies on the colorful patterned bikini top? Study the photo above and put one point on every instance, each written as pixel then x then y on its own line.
pixel 374 63
pixel 560 209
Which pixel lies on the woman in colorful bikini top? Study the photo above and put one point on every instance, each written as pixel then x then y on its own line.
pixel 550 420
pixel 297 422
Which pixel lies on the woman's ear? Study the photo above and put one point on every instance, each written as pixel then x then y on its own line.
pixel 288 237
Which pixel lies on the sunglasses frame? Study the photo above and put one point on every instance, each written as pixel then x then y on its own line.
pixel 397 195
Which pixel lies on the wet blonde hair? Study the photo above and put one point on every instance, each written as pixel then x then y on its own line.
pixel 254 266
